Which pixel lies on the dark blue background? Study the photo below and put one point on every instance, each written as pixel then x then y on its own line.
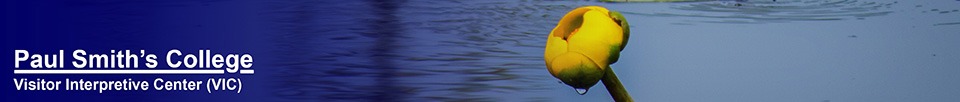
pixel 43 27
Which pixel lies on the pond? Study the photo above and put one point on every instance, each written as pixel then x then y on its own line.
pixel 699 51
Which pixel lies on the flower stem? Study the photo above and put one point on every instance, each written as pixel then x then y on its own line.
pixel 616 89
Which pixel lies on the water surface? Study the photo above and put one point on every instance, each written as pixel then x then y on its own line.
pixel 706 51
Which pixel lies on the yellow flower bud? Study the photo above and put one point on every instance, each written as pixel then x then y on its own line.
pixel 584 43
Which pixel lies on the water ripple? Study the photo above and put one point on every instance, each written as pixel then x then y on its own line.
pixel 438 50
pixel 758 12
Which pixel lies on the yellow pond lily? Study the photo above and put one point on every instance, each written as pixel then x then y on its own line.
pixel 584 44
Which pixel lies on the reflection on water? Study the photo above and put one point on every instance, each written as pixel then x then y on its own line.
pixel 466 50
pixel 950 23
pixel 769 11
pixel 437 50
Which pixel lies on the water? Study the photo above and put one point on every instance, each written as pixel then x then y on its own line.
pixel 708 51
pixel 581 91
